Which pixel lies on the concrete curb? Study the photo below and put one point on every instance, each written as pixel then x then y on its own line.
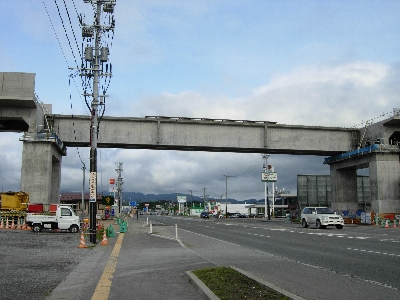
pixel 268 284
pixel 201 287
pixel 208 294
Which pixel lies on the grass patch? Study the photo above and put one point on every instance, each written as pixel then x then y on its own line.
pixel 227 283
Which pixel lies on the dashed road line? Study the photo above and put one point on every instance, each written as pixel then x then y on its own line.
pixel 373 252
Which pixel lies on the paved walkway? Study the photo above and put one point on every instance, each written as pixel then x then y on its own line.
pixel 135 265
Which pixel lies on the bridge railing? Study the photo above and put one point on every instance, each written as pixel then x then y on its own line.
pixel 346 155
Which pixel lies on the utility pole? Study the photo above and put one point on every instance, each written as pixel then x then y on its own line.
pixel 267 208
pixel 204 198
pixel 191 196
pixel 119 185
pixel 226 195
pixel 83 193
pixel 95 56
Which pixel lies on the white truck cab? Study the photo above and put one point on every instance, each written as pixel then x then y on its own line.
pixel 63 218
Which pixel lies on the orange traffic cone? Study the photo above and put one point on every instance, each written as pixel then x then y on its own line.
pixel 104 242
pixel 25 226
pixel 7 224
pixel 19 224
pixel 1 224
pixel 82 241
pixel 387 224
pixel 12 223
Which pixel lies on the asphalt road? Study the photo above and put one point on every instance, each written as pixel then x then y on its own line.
pixel 355 262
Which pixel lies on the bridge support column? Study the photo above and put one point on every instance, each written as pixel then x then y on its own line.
pixel 344 188
pixel 41 171
pixel 384 178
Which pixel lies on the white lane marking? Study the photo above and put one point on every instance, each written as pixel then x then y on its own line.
pixel 374 252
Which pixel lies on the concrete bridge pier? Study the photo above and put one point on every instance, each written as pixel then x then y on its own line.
pixel 384 176
pixel 41 171
pixel 344 187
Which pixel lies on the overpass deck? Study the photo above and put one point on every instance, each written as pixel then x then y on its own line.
pixel 203 134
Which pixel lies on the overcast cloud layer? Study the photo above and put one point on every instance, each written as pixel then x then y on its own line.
pixel 327 63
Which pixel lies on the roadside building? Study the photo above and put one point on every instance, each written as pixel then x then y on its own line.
pixel 75 201
pixel 315 190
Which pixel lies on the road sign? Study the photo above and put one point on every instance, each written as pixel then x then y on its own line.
pixel 107 200
pixel 133 203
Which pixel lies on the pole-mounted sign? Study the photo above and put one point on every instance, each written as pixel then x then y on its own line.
pixel 269 176
pixel 92 197
pixel 111 187
pixel 107 200
pixel 181 199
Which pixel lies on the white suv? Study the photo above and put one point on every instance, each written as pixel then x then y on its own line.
pixel 321 217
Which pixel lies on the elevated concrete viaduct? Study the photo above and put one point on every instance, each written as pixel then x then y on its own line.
pixel 188 134
pixel 46 136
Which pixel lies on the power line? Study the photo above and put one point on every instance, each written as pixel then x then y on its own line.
pixel 61 47
pixel 244 173
pixel 66 34
pixel 72 29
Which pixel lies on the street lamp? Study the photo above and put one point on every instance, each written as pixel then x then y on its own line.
pixel 226 195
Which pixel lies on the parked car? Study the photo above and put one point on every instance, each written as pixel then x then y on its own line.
pixel 321 217
pixel 204 214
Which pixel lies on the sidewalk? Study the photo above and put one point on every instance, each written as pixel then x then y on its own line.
pixel 135 265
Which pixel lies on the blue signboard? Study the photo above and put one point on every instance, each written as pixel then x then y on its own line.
pixel 133 203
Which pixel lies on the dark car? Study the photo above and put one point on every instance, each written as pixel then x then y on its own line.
pixel 204 214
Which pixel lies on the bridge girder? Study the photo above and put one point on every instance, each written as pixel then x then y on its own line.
pixel 163 133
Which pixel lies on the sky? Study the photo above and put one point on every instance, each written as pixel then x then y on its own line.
pixel 324 63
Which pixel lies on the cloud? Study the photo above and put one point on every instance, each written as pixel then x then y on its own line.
pixel 325 95
pixel 10 170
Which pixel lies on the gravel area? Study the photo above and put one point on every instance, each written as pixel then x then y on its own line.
pixel 33 264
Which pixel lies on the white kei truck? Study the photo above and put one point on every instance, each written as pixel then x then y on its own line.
pixel 62 218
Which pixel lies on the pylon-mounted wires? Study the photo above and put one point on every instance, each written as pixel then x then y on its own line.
pixel 66 33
